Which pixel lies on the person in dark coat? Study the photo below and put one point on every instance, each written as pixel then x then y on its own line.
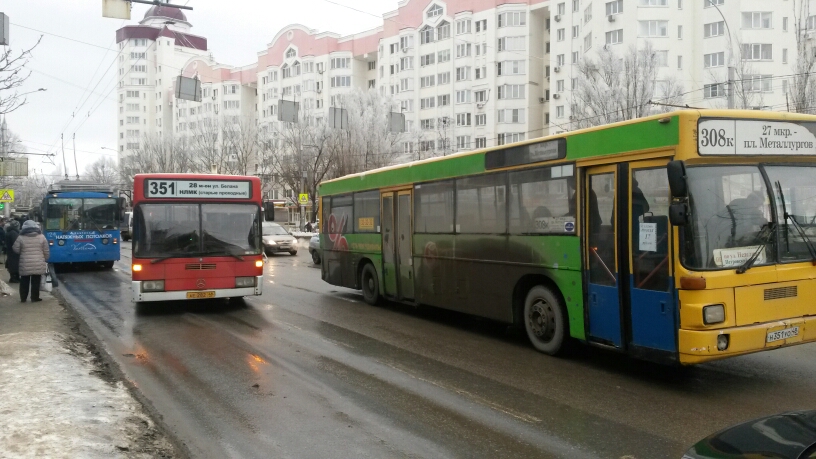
pixel 13 259
pixel 2 235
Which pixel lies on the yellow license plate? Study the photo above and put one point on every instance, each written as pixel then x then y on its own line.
pixel 196 295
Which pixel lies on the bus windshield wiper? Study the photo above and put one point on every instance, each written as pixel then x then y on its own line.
pixel 768 230
pixel 224 252
pixel 796 225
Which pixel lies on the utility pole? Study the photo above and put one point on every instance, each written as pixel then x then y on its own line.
pixel 731 71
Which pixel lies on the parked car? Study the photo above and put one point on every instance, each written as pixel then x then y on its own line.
pixel 789 435
pixel 127 227
pixel 276 239
pixel 314 248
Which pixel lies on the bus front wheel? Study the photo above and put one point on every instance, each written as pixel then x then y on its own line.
pixel 545 320
pixel 371 285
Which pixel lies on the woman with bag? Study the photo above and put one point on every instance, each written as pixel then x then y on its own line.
pixel 33 250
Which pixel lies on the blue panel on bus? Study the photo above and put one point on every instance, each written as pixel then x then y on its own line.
pixel 83 246
pixel 653 318
pixel 604 313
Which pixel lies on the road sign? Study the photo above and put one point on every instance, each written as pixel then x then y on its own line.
pixel 117 9
pixel 13 167
pixel 6 195
pixel 303 199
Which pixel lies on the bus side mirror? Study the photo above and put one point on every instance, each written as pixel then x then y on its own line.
pixel 679 214
pixel 676 171
pixel 122 203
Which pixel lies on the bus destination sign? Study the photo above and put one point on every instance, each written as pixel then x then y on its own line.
pixel 526 154
pixel 752 137
pixel 198 189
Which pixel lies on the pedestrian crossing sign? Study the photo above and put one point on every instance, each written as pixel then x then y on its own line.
pixel 6 195
pixel 303 199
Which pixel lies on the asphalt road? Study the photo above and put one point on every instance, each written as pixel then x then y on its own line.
pixel 308 370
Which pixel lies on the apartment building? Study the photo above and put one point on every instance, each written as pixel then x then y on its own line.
pixel 466 74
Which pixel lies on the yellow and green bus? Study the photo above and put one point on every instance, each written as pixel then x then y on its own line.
pixel 683 237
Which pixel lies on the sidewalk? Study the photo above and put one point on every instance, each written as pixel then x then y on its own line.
pixel 56 398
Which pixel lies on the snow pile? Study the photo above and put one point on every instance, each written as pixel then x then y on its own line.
pixel 51 405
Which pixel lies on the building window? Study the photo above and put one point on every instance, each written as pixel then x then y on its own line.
pixel 341 63
pixel 714 29
pixel 427 81
pixel 291 53
pixel 513 43
pixel 407 42
pixel 785 24
pixel 714 59
pixel 511 115
pixel 463 119
pixel 561 8
pixel 444 56
pixel 588 42
pixel 480 96
pixel 463 50
pixel 443 31
pixel 588 13
pixel 481 120
pixel 462 73
pixel 511 91
pixel 512 19
pixel 435 11
pixel 784 55
pixel 481 142
pixel 559 111
pixel 463 97
pixel 757 52
pixel 443 78
pixel 427 59
pixel 576 31
pixel 463 142
pixel 679 62
pixel 406 84
pixel 714 90
pixel 443 100
pixel 427 102
pixel 462 26
pixel 559 60
pixel 756 20
pixel 481 73
pixel 654 28
pixel 615 7
pixel 758 83
pixel 654 2
pixel 575 55
pixel 614 37
pixel 560 35
pixel 406 63
pixel 510 138
pixel 511 68
pixel 371 66
pixel 481 26
pixel 341 82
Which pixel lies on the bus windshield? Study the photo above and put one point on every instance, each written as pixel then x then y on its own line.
pixel 65 214
pixel 732 218
pixel 182 230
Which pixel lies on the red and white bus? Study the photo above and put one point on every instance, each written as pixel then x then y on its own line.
pixel 196 236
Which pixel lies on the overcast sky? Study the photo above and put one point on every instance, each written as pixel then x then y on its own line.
pixel 75 61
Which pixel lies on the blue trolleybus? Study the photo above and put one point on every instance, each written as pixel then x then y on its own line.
pixel 81 222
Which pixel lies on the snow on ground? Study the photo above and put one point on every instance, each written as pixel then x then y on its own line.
pixel 52 405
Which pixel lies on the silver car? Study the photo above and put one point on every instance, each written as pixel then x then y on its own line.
pixel 276 239
pixel 314 248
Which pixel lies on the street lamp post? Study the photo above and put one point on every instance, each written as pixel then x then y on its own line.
pixel 731 69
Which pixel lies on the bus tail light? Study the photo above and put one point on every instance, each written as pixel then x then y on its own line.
pixel 692 283
pixel 259 263
pixel 713 314
pixel 115 240
pixel 136 268
pixel 722 342
pixel 153 286
pixel 50 242
pixel 244 282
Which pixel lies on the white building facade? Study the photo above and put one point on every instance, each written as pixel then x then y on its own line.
pixel 466 73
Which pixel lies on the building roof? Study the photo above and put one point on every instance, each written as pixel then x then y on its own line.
pixel 165 12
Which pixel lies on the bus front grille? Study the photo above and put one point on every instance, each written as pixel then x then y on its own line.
pixel 781 292
pixel 199 266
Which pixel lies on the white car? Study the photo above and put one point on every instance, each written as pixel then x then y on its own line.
pixel 314 248
pixel 276 239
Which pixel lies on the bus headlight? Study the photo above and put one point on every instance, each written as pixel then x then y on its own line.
pixel 61 242
pixel 713 314
pixel 244 282
pixel 105 241
pixel 153 286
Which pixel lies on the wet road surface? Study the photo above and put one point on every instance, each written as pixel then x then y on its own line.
pixel 310 370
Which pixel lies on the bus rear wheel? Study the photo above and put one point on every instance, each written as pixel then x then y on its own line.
pixel 371 285
pixel 107 265
pixel 545 320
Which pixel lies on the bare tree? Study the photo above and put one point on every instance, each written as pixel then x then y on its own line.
pixel 615 88
pixel 242 142
pixel 802 88
pixel 104 170
pixel 157 154
pixel 13 74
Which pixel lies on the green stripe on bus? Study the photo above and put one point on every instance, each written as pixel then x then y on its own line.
pixel 630 137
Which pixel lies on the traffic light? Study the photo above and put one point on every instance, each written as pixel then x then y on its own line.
pixel 2 205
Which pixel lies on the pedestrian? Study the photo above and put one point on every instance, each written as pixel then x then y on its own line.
pixel 33 250
pixel 2 235
pixel 12 260
pixel 308 227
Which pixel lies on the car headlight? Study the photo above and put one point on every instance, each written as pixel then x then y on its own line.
pixel 244 282
pixel 713 314
pixel 153 286
pixel 269 242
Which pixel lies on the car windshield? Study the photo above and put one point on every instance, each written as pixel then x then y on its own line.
pixel 274 230
pixel 178 230
pixel 65 214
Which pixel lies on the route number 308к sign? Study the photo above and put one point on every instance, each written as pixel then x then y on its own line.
pixel 202 189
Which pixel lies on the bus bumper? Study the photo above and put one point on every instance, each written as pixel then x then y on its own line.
pixel 139 296
pixel 697 346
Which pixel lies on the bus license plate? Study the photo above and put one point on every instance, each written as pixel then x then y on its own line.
pixel 197 295
pixel 782 334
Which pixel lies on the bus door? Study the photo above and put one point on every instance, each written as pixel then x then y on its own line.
pixel 398 270
pixel 405 252
pixel 389 245
pixel 601 255
pixel 652 308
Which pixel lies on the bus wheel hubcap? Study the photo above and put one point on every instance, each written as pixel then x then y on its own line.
pixel 370 284
pixel 542 320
